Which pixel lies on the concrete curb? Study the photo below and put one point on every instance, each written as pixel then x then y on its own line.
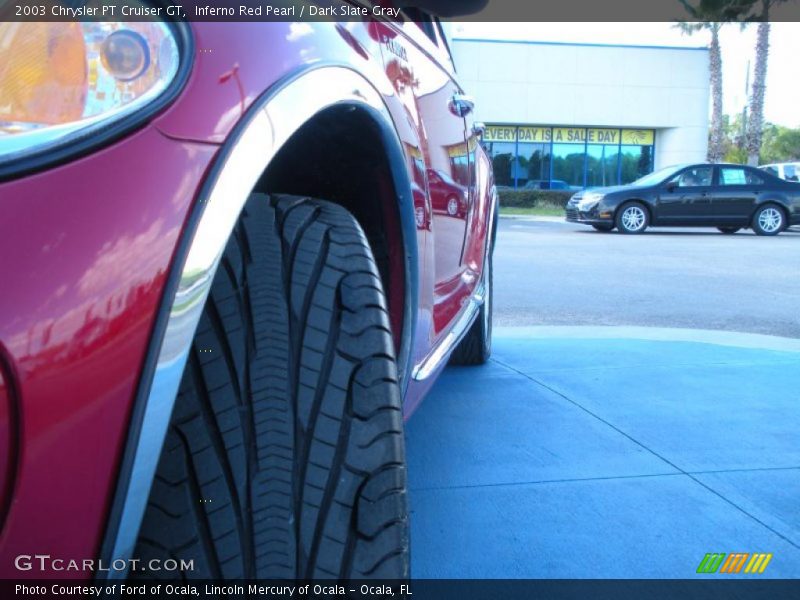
pixel 533 218
pixel 661 334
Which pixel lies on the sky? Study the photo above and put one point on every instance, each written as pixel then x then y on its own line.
pixel 782 100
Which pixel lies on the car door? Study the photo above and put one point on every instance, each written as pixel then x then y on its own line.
pixel 685 199
pixel 424 81
pixel 734 197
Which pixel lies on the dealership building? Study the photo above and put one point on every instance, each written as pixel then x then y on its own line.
pixel 584 115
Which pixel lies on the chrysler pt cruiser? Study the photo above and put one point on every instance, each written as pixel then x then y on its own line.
pixel 225 287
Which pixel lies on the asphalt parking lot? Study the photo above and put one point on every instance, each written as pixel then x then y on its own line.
pixel 616 433
pixel 558 273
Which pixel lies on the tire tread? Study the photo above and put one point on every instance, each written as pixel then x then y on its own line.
pixel 285 454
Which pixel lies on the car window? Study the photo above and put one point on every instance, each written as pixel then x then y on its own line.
pixel 791 172
pixel 771 170
pixel 694 177
pixel 738 176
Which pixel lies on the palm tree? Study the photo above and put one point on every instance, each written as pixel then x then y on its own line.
pixel 744 11
pixel 715 146
pixel 755 124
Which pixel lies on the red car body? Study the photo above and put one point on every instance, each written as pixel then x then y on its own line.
pixel 447 196
pixel 91 247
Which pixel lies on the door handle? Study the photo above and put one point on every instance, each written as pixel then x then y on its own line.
pixel 461 104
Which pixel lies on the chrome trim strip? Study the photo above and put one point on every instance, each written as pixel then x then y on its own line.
pixel 265 131
pixel 443 349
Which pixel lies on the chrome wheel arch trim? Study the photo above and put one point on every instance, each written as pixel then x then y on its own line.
pixel 267 126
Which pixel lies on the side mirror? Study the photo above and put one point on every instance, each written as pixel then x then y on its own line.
pixel 670 187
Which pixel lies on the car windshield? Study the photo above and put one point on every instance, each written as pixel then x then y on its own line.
pixel 658 176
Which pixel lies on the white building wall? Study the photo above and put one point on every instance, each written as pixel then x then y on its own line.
pixel 666 89
pixel 676 145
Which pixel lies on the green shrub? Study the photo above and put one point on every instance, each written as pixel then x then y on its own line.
pixel 533 198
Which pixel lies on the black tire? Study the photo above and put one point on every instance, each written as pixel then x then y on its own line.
pixel 622 223
pixel 761 227
pixel 475 347
pixel 603 228
pixel 729 230
pixel 285 457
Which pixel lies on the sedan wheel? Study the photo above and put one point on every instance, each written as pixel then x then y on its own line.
pixel 632 218
pixel 768 220
pixel 452 206
pixel 729 230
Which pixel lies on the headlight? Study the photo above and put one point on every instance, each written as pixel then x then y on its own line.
pixel 589 200
pixel 61 81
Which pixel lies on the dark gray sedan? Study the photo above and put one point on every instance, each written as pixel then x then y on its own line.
pixel 726 196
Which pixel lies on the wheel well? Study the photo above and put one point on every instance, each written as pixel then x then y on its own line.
pixel 774 203
pixel 339 156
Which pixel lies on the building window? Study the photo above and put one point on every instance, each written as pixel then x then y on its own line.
pixel 459 167
pixel 602 165
pixel 503 158
pixel 532 167
pixel 543 157
pixel 637 161
pixel 569 161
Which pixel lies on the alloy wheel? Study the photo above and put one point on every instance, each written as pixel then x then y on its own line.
pixel 633 218
pixel 770 220
pixel 452 207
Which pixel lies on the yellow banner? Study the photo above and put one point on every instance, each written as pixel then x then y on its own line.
pixel 500 133
pixel 602 136
pixel 534 134
pixel 569 135
pixel 413 151
pixel 462 149
pixel 638 137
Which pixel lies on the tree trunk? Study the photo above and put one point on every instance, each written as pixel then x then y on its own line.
pixel 756 122
pixel 715 65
